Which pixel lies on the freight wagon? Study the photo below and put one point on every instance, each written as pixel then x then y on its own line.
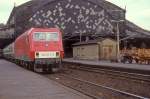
pixel 141 56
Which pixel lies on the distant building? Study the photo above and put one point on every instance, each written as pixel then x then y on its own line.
pixel 6 35
pixel 101 49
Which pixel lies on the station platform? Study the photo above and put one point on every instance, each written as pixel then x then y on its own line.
pixel 106 64
pixel 19 83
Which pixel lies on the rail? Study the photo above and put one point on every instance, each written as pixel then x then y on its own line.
pixel 133 76
pixel 109 88
pixel 117 77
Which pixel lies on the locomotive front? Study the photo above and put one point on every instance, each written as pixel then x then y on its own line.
pixel 47 48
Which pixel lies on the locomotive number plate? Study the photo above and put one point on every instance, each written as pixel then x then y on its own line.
pixel 46 55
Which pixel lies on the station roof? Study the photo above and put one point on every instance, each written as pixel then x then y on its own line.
pixel 30 7
pixel 136 31
pixel 26 10
pixel 86 43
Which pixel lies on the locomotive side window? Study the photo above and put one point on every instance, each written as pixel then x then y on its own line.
pixel 46 36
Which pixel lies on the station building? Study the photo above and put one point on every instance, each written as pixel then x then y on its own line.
pixel 100 49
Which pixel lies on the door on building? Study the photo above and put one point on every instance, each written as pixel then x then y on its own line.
pixel 107 52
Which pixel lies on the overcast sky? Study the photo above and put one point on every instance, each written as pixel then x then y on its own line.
pixel 138 11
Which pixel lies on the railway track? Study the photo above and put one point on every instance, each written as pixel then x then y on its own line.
pixel 133 76
pixel 135 83
pixel 101 83
pixel 96 91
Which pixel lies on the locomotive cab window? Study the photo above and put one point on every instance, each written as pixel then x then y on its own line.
pixel 52 36
pixel 46 36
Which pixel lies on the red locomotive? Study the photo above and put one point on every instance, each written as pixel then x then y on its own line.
pixel 38 49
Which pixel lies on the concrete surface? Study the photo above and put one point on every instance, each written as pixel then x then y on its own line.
pixel 109 64
pixel 19 83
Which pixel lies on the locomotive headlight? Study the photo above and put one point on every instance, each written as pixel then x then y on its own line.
pixel 37 54
pixel 57 54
